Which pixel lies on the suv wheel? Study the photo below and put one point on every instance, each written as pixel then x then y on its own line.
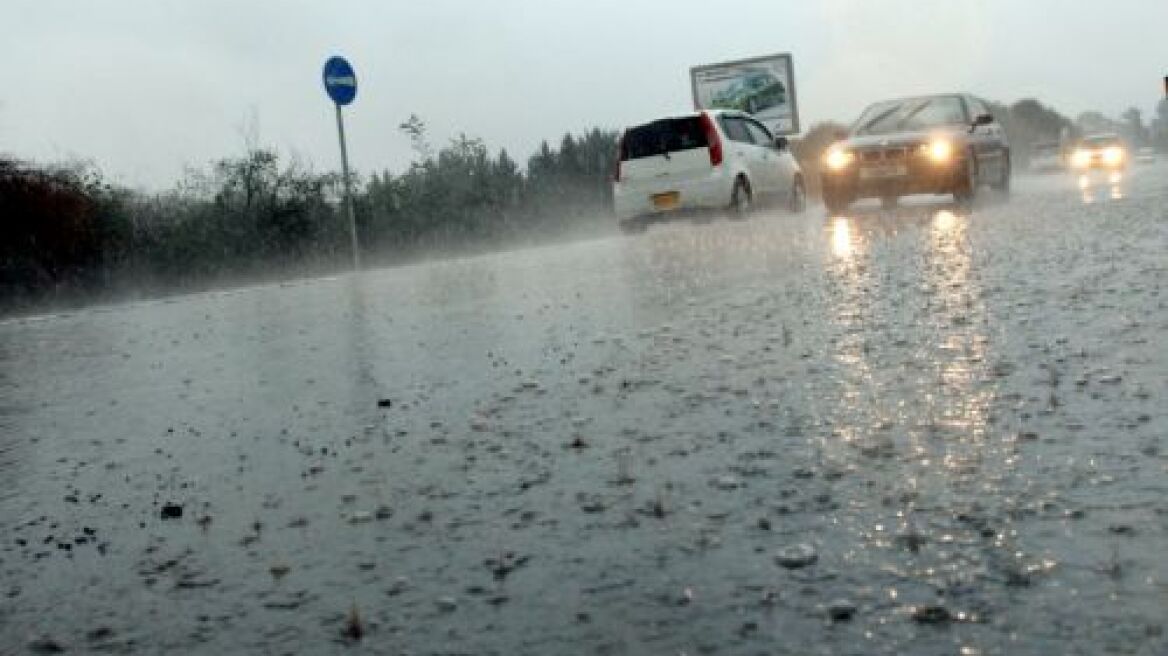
pixel 966 188
pixel 798 200
pixel 1003 182
pixel 740 199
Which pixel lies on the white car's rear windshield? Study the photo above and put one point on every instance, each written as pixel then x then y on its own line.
pixel 665 136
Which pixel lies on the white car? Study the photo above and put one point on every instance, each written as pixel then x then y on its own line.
pixel 709 160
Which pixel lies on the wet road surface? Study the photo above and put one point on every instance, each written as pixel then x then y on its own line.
pixel 926 430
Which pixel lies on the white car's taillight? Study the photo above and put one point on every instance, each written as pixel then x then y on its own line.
pixel 713 139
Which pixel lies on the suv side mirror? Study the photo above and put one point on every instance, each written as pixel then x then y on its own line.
pixel 840 135
pixel 983 119
pixel 781 143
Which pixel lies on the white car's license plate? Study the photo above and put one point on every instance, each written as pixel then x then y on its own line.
pixel 877 171
pixel 666 201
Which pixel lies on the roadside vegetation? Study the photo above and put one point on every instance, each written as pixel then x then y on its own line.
pixel 68 236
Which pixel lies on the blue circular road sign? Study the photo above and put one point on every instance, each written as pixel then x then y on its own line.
pixel 340 82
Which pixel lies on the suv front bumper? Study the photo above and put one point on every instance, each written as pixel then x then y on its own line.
pixel 922 176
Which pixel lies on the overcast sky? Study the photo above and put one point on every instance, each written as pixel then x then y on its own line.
pixel 147 87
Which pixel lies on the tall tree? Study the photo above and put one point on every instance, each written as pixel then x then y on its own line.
pixel 1160 126
pixel 1134 130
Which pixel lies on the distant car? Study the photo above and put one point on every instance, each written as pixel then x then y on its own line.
pixel 754 92
pixel 713 159
pixel 1145 155
pixel 943 144
pixel 1100 151
pixel 1046 157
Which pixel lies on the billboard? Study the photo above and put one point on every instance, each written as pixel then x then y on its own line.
pixel 761 86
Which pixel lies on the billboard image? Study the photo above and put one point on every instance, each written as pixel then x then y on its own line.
pixel 762 86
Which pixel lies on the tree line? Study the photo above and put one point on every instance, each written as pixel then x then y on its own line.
pixel 67 233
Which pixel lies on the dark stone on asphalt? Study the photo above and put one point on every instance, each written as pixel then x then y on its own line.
pixel 172 511
pixel 45 645
pixel 100 633
pixel 841 610
pixel 1017 579
pixel 354 628
pixel 796 556
pixel 931 614
pixel 505 564
pixel 385 403
pixel 191 582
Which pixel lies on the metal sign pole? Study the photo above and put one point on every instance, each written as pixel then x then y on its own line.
pixel 348 191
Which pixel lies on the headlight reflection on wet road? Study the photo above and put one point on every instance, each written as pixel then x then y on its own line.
pixel 935 365
pixel 841 238
pixel 1093 189
pixel 960 345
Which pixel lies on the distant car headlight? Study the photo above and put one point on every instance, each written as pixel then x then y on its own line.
pixel 939 150
pixel 1113 155
pixel 1081 159
pixel 838 159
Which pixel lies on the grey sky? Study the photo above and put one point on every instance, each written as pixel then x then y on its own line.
pixel 147 87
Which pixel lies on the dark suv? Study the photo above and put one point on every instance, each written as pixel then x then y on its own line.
pixel 944 144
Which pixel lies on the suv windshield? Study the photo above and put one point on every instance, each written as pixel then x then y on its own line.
pixel 1101 141
pixel 664 136
pixel 911 114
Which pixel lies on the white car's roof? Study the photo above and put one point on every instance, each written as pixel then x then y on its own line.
pixel 714 112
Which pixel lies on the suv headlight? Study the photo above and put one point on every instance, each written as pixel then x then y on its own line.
pixel 1113 155
pixel 1081 158
pixel 939 150
pixel 838 159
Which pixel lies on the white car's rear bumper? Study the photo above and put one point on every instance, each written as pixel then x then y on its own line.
pixel 708 192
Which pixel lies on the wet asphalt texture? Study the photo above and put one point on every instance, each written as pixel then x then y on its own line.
pixel 922 430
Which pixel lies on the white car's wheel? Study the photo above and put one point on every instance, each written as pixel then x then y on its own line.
pixel 798 198
pixel 740 199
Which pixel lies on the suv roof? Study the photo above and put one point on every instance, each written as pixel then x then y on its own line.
pixel 952 94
